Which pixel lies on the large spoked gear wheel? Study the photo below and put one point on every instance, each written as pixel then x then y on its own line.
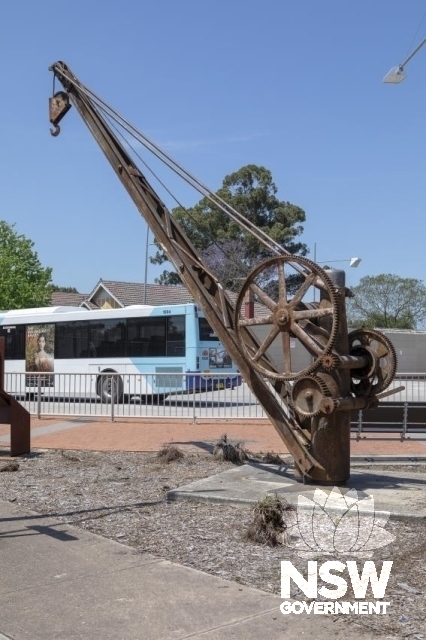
pixel 380 353
pixel 278 287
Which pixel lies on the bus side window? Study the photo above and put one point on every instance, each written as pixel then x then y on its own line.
pixel 157 346
pixel 176 336
pixel 206 332
pixel 14 343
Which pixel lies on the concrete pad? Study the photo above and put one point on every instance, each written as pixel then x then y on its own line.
pixel 84 552
pixel 401 494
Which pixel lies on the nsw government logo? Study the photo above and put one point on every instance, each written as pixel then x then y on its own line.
pixel 342 526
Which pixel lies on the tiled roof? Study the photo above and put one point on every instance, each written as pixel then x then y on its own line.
pixel 89 304
pixel 128 293
pixel 63 299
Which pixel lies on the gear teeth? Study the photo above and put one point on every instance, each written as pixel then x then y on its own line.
pixel 328 383
pixel 262 365
pixel 330 362
pixel 368 386
pixel 329 405
pixel 323 391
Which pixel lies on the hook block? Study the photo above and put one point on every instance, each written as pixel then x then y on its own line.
pixel 59 105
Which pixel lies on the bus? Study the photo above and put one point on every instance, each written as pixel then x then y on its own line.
pixel 138 350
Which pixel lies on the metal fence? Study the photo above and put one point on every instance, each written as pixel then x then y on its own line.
pixel 211 396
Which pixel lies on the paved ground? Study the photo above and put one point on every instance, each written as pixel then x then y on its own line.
pixel 150 434
pixel 62 583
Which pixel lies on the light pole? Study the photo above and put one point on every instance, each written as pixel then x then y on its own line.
pixel 148 244
pixel 397 74
pixel 146 264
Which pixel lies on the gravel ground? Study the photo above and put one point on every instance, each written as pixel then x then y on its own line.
pixel 122 496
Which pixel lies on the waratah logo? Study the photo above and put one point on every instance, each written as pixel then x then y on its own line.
pixel 336 523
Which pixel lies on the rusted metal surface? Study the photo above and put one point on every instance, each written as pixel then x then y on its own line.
pixel 59 105
pixel 11 412
pixel 2 350
pixel 331 431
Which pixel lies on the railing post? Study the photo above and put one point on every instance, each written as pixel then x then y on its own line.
pixel 194 417
pixel 39 396
pixel 359 431
pixel 404 422
pixel 113 389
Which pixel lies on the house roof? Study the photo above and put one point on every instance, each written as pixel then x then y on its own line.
pixel 63 299
pixel 127 293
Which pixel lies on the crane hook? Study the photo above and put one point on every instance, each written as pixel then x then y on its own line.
pixel 59 105
pixel 56 131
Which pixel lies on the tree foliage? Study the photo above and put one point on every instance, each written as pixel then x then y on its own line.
pixel 227 249
pixel 24 283
pixel 56 288
pixel 389 302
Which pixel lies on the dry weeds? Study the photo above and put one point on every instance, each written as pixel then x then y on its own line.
pixel 272 458
pixel 269 523
pixel 229 452
pixel 170 453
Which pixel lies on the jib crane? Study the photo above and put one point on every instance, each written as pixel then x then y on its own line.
pixel 310 407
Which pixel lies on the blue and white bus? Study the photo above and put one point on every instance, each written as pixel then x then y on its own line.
pixel 137 350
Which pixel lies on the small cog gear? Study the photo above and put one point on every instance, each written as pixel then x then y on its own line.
pixel 330 361
pixel 314 394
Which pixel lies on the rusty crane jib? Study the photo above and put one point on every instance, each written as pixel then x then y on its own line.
pixel 310 407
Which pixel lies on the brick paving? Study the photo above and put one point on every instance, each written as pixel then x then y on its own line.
pixel 142 434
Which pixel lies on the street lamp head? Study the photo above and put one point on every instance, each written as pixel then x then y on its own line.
pixel 395 75
pixel 354 262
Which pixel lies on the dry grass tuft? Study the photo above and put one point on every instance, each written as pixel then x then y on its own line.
pixel 10 466
pixel 269 525
pixel 170 453
pixel 224 450
pixel 272 458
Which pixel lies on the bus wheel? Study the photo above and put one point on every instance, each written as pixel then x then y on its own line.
pixel 110 388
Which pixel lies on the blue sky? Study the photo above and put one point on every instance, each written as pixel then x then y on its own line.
pixel 295 86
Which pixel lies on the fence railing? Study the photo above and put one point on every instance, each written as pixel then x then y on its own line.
pixel 169 395
pixel 153 395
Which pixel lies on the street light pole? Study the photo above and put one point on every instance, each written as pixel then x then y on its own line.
pixel 146 264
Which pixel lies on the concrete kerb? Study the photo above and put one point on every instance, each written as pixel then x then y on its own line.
pixel 361 460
